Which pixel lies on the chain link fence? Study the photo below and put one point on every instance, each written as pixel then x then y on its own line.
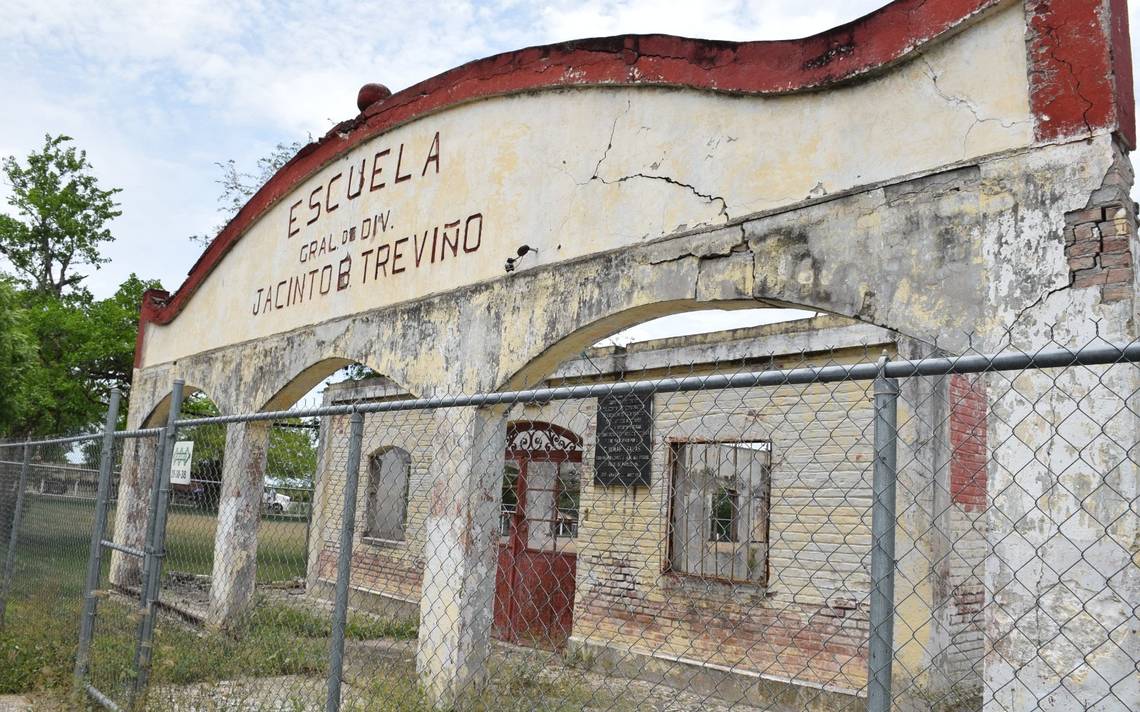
pixel 838 529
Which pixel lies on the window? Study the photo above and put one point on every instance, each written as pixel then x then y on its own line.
pixel 510 503
pixel 718 524
pixel 567 499
pixel 541 485
pixel 387 508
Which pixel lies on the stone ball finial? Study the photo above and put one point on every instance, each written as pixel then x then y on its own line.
pixel 369 94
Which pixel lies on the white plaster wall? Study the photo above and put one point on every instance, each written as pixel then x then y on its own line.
pixel 577 172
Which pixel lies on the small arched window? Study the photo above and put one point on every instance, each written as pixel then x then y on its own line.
pixel 386 514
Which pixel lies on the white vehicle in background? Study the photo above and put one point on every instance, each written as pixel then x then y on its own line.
pixel 273 502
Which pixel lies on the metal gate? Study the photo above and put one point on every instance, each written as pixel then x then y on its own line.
pixel 151 558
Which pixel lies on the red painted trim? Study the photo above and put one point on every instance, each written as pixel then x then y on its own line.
pixel 1080 68
pixel 152 303
pixel 1122 73
pixel 845 53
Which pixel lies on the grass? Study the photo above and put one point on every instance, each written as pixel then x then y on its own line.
pixel 516 684
pixel 190 544
pixel 38 644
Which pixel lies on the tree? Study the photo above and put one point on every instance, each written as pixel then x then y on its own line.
pixel 84 348
pixel 61 218
pixel 71 348
pixel 17 355
pixel 106 358
pixel 238 186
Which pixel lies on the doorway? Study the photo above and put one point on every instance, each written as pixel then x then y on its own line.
pixel 538 526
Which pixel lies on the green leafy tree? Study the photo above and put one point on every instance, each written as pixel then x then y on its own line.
pixel 71 349
pixel 61 217
pixel 106 357
pixel 83 350
pixel 17 356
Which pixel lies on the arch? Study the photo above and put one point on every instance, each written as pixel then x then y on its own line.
pixel 542 365
pixel 573 343
pixel 304 381
pixel 160 411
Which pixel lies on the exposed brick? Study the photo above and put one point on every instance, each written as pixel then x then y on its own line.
pixel 1114 228
pixel 1116 292
pixel 1089 278
pixel 1086 215
pixel 1086 231
pixel 1120 275
pixel 1079 263
pixel 1115 245
pixel 1119 259
pixel 1083 249
pixel 968 442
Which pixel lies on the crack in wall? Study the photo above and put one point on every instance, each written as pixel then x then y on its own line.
pixel 610 143
pixel 1044 297
pixel 1051 31
pixel 672 181
pixel 739 247
pixel 966 103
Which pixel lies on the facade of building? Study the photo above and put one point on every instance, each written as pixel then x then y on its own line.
pixel 954 171
pixel 746 557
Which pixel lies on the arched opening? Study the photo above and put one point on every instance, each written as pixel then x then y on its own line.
pixel 190 394
pixel 246 520
pixel 695 509
pixel 190 521
pixel 386 567
pixel 654 320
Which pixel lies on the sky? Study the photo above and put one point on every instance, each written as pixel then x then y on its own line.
pixel 158 92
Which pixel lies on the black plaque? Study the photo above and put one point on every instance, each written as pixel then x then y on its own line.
pixel 623 453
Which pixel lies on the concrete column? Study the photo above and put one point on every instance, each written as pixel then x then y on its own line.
pixel 461 530
pixel 132 511
pixel 1064 480
pixel 921 540
pixel 239 514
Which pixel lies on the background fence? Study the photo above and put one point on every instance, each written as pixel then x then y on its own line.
pixel 830 531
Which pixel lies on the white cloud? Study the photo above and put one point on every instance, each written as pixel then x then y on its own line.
pixel 730 20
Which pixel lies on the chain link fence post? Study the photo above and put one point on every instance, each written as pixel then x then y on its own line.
pixel 152 514
pixel 344 563
pixel 95 554
pixel 156 548
pixel 883 544
pixel 14 533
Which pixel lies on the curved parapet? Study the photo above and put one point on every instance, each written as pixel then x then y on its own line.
pixel 584 148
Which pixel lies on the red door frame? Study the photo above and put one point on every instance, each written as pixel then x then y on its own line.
pixel 519 531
